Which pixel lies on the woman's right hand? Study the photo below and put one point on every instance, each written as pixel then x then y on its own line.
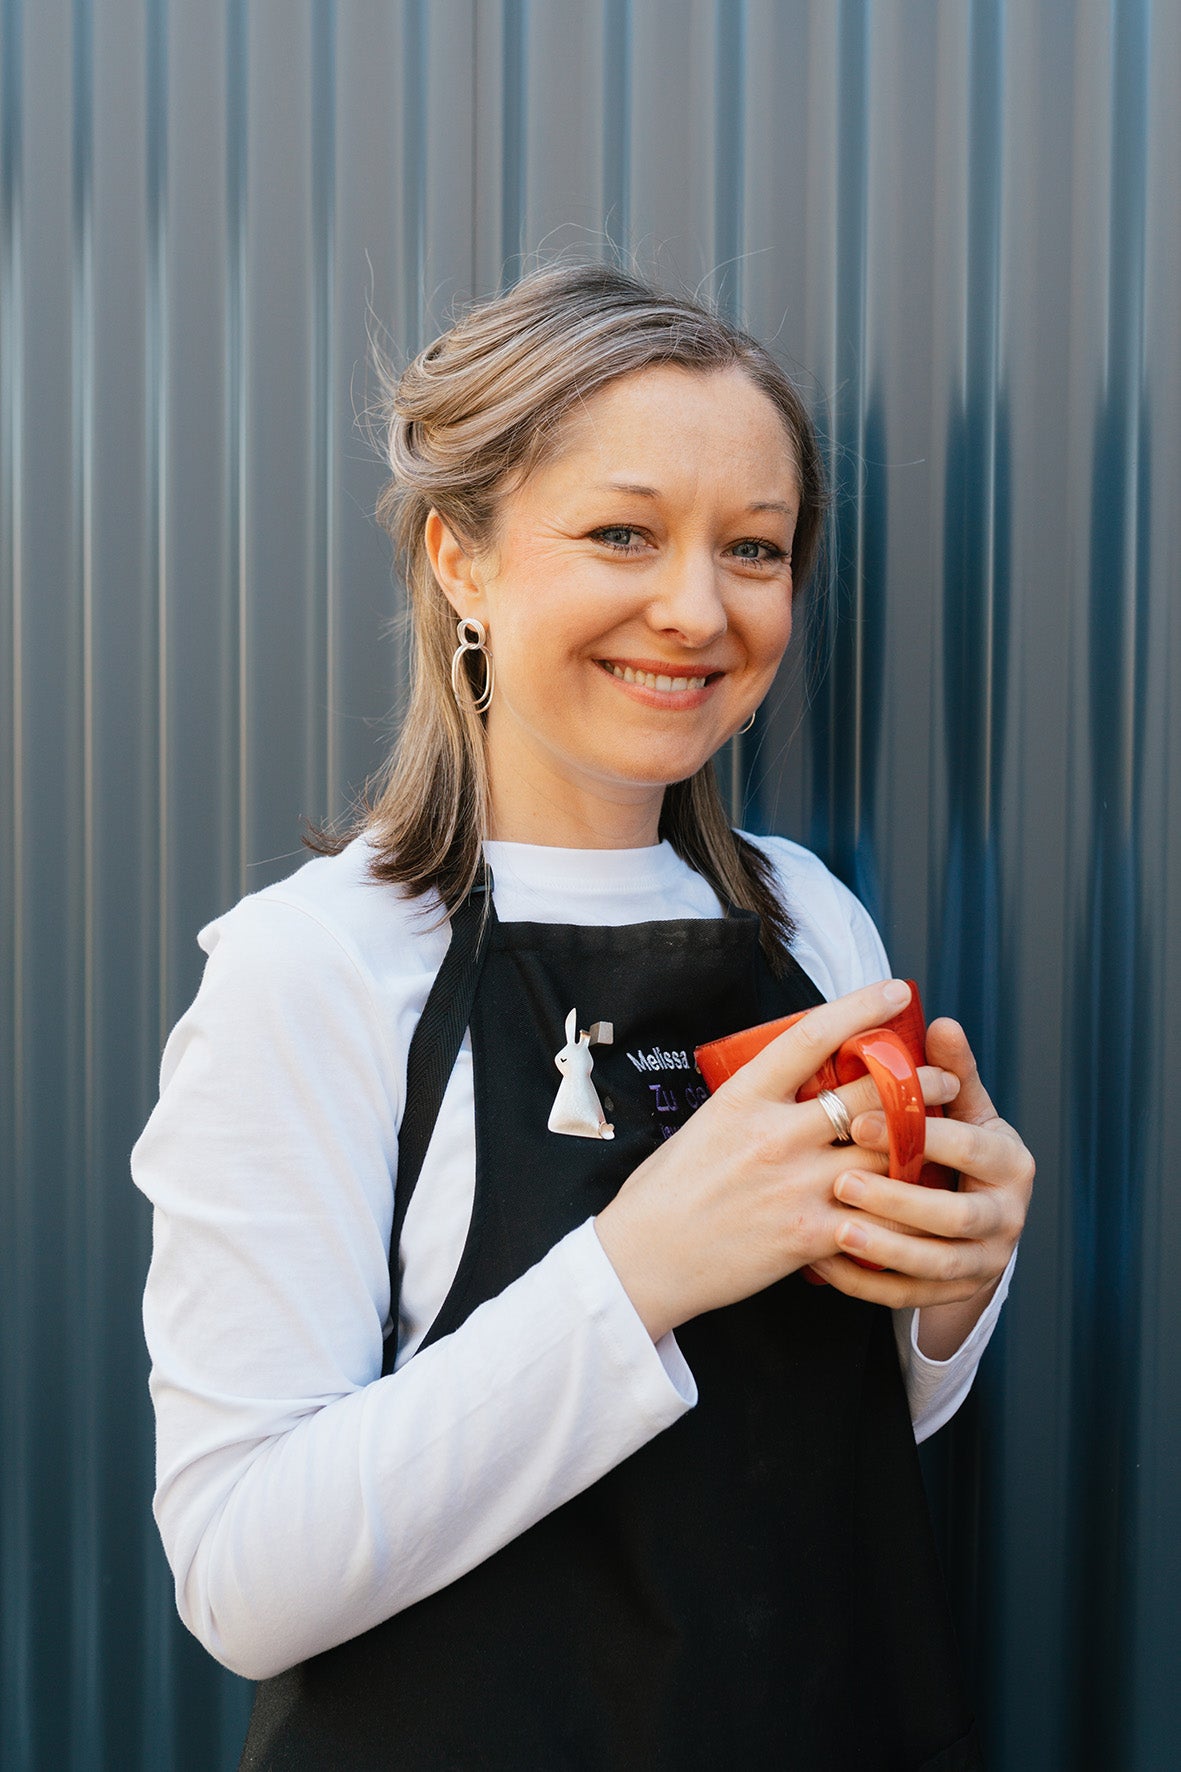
pixel 742 1194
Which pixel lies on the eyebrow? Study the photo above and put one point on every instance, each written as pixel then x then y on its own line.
pixel 765 504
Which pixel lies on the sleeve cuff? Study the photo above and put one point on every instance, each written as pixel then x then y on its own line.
pixel 658 1369
pixel 936 1388
pixel 973 1343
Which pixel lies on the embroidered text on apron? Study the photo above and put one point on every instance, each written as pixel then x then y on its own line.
pixel 756 1586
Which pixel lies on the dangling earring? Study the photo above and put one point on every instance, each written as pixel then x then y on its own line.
pixel 749 723
pixel 467 644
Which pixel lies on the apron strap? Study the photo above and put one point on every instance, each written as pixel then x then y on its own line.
pixel 429 1063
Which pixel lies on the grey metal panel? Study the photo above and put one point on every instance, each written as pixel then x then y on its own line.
pixel 963 220
pixel 1158 1418
pixel 561 53
pixel 14 1302
pixel 374 78
pixel 50 994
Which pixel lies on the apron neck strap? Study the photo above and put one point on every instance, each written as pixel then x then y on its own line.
pixel 429 1063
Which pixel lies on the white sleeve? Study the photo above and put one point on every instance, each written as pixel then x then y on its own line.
pixel 301 1497
pixel 839 946
pixel 936 1388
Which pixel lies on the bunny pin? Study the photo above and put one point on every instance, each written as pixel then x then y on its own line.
pixel 577 1109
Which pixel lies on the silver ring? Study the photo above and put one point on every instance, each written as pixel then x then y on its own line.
pixel 838 1114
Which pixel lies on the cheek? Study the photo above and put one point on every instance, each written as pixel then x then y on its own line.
pixel 538 664
pixel 770 633
pixel 548 632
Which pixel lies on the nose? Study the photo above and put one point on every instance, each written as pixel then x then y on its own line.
pixel 688 602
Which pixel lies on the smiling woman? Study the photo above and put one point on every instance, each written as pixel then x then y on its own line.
pixel 624 664
pixel 496 1426
pixel 534 396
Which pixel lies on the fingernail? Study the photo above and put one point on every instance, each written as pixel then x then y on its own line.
pixel 896 993
pixel 851 1236
pixel 869 1126
pixel 850 1189
pixel 951 1085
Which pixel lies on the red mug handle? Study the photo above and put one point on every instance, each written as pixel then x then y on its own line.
pixel 890 1055
pixel 885 1057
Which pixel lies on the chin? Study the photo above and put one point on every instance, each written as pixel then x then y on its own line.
pixel 658 772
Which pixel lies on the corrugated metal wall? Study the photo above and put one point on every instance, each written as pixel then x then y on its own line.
pixel 963 217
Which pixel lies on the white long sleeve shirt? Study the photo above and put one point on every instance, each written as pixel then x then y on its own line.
pixel 301 1497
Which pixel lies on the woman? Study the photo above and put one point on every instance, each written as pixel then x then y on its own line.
pixel 594 1480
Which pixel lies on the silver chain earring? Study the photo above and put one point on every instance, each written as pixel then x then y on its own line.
pixel 749 723
pixel 465 629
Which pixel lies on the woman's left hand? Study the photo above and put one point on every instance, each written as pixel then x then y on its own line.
pixel 944 1251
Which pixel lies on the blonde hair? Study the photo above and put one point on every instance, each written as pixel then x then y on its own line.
pixel 467 421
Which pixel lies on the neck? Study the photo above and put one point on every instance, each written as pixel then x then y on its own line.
pixel 529 806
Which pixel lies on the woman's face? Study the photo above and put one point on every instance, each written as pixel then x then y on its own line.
pixel 637 603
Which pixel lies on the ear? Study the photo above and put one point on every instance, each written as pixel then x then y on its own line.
pixel 572 1027
pixel 453 567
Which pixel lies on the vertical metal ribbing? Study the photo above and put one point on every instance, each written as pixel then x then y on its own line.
pixel 156 429
pixel 235 762
pixel 413 184
pixel 474 137
pixel 1154 1107
pixel 1046 500
pixel 728 238
pixel 514 122
pixel 617 120
pixel 975 575
pixel 159 1675
pixel 729 189
pixel 84 1214
pixel 50 865
pixel 409 335
pixel 854 789
pixel 321 768
pixel 1115 955
pixel 965 968
pixel 841 823
pixel 16 1194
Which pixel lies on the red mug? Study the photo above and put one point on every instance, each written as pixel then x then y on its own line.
pixel 890 1055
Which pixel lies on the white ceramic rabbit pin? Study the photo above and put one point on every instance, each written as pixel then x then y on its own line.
pixel 577 1109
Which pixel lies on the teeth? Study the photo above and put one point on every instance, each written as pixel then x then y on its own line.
pixel 649 680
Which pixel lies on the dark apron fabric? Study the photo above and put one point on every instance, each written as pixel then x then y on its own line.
pixel 758 1585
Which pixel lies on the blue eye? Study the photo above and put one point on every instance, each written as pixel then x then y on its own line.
pixel 615 529
pixel 773 553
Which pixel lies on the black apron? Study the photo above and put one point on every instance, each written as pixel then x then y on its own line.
pixel 758 1585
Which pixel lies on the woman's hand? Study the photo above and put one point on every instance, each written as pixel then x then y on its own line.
pixel 743 1193
pixel 945 1251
